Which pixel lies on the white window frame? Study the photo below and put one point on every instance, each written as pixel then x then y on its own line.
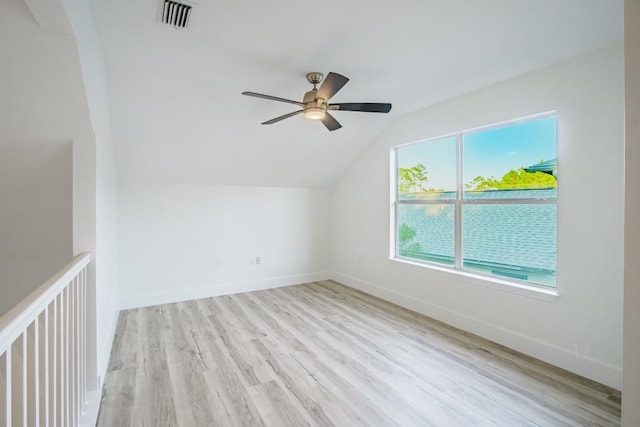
pixel 458 204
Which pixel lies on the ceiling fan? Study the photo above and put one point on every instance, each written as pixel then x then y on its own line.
pixel 315 104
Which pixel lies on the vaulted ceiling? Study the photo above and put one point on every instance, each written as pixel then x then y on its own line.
pixel 175 95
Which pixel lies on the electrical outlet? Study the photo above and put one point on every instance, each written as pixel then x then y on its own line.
pixel 252 261
pixel 258 260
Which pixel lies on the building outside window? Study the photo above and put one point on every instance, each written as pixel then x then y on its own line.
pixel 481 201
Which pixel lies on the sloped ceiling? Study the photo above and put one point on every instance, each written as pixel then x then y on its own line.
pixel 178 115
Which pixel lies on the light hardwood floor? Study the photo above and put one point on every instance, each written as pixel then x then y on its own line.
pixel 323 354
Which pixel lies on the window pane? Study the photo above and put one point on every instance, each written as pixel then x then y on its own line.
pixel 515 241
pixel 509 160
pixel 426 232
pixel 427 170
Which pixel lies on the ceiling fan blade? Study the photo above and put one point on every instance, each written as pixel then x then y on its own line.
pixel 273 98
pixel 330 122
pixel 367 107
pixel 331 85
pixel 286 116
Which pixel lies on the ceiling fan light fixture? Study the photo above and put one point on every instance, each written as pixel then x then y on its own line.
pixel 315 113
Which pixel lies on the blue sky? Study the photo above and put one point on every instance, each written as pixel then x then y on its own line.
pixel 491 152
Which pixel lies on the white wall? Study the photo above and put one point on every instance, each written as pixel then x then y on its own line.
pixel 179 242
pixel 582 329
pixel 35 189
pixel 631 384
pixel 43 102
pixel 35 216
pixel 106 254
pixel 42 109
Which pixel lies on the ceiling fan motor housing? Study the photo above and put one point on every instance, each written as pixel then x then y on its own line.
pixel 310 97
pixel 314 108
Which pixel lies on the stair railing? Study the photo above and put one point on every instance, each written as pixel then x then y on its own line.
pixel 43 352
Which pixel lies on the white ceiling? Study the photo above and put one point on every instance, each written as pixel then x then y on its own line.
pixel 178 115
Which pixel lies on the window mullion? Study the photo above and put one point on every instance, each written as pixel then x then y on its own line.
pixel 458 207
pixel 394 244
pixel 512 201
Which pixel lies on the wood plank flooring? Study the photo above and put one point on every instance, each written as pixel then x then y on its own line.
pixel 322 354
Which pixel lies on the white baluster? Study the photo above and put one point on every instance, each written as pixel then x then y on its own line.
pixel 60 362
pixel 83 337
pixel 53 362
pixel 79 363
pixel 25 371
pixel 43 360
pixel 17 382
pixel 74 359
pixel 32 371
pixel 5 388
pixel 65 351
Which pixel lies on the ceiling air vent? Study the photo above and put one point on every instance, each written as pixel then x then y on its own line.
pixel 175 13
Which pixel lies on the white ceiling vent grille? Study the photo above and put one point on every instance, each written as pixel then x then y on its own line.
pixel 176 14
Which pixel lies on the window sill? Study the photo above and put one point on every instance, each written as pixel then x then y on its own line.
pixel 549 295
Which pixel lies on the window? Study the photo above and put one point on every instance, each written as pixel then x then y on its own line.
pixel 481 201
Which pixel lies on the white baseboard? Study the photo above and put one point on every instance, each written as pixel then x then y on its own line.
pixel 106 348
pixel 89 416
pixel 587 367
pixel 177 295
